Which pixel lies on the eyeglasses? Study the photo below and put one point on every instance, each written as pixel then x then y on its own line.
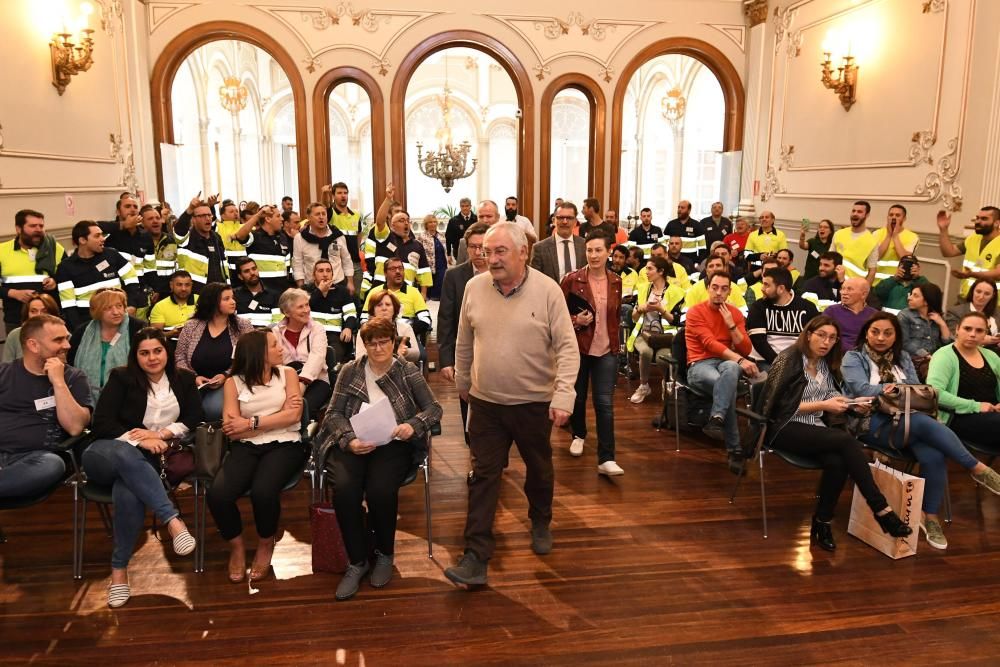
pixel 826 338
pixel 376 344
pixel 475 246
pixel 565 218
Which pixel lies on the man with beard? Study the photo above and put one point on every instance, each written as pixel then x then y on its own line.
pixel 402 244
pixel 287 205
pixel 28 264
pixel 775 322
pixel 254 300
pixel 690 231
pixel 856 244
pixel 124 234
pixel 981 249
pixel 823 289
pixel 173 312
pixel 347 221
pixel 291 225
pixel 42 402
pixel 716 226
pixel 893 242
pixel 510 211
pixel 160 261
pixel 318 240
pixel 646 234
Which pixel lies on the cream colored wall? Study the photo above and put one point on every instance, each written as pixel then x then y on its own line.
pixel 924 131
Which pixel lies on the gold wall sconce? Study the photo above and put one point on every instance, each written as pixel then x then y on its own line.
pixel 845 82
pixel 72 53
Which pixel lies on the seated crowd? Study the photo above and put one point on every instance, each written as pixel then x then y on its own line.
pixel 264 322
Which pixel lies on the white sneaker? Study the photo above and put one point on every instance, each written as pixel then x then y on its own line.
pixel 610 468
pixel 641 392
pixel 576 447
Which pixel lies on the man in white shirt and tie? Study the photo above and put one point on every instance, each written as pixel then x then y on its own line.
pixel 563 252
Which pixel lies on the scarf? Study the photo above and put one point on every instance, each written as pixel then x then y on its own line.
pixel 884 362
pixel 324 242
pixel 88 355
pixel 45 255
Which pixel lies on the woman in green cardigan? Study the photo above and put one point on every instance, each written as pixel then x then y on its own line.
pixel 967 377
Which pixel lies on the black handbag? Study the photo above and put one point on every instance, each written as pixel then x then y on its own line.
pixel 209 449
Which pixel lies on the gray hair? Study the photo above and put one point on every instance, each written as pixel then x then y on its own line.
pixel 465 200
pixel 517 236
pixel 489 202
pixel 290 297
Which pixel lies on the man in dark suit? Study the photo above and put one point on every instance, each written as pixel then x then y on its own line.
pixel 563 252
pixel 452 291
pixel 458 225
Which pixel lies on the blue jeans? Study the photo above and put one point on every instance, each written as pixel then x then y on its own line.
pixel 29 473
pixel 718 378
pixel 135 485
pixel 933 444
pixel 211 403
pixel 600 373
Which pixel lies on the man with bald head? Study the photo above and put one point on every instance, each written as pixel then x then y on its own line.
pixel 690 231
pixel 852 311
pixel 516 362
pixel 487 213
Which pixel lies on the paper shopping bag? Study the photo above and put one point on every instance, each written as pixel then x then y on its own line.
pixel 905 494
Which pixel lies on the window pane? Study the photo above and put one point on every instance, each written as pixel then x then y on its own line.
pixel 350 144
pixel 570 150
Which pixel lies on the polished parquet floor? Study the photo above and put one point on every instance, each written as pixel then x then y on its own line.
pixel 655 567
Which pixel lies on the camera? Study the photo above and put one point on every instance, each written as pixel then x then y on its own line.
pixel 907 263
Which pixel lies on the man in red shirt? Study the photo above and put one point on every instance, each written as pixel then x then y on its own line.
pixel 737 240
pixel 717 348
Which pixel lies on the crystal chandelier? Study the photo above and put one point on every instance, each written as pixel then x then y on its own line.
pixel 450 162
pixel 233 95
pixel 673 105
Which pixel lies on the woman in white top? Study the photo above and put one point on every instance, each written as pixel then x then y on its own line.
pixel 145 405
pixel 261 415
pixel 303 348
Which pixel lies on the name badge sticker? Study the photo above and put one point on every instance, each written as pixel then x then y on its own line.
pixel 689 230
pixel 391 247
pixel 211 248
pixel 45 403
pixel 103 265
pixel 116 339
pixel 814 254
pixel 253 304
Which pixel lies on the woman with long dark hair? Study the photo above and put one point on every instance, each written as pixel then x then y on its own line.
pixel 876 364
pixel 206 343
pixel 262 412
pixel 982 298
pixel 923 327
pixel 816 246
pixel 802 390
pixel 39 304
pixel 145 406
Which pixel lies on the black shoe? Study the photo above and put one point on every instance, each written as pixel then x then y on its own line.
pixel 541 538
pixel 822 534
pixel 892 525
pixel 714 428
pixel 737 465
pixel 470 571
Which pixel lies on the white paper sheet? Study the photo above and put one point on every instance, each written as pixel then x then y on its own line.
pixel 375 423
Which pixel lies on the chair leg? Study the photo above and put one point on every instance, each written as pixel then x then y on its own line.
pixel 76 530
pixel 947 501
pixel 199 528
pixel 83 535
pixel 3 536
pixel 427 509
pixel 677 416
pixel 763 493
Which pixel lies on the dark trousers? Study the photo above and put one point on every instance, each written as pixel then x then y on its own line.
pixel 841 455
pixel 600 374
pixel 374 477
pixel 464 407
pixel 316 396
pixel 980 427
pixel 492 430
pixel 263 470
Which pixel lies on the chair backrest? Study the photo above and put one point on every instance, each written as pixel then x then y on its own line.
pixel 679 349
pixel 331 362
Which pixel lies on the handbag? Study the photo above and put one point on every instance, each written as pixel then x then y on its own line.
pixel 328 552
pixel 209 449
pixel 657 341
pixel 176 464
pixel 902 401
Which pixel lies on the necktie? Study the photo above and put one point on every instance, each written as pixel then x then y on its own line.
pixel 567 259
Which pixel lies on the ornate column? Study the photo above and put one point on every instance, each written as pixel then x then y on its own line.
pixel 754 164
pixel 206 159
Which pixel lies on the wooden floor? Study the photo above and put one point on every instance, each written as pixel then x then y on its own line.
pixel 655 567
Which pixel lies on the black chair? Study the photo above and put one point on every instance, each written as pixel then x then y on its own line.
pixel 201 486
pixel 759 429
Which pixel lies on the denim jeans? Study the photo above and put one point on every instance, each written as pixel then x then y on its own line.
pixel 135 485
pixel 718 378
pixel 29 473
pixel 933 444
pixel 211 403
pixel 600 372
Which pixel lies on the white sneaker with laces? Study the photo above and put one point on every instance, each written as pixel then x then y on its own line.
pixel 610 468
pixel 576 447
pixel 641 392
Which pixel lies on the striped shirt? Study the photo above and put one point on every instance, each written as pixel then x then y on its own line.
pixel 818 388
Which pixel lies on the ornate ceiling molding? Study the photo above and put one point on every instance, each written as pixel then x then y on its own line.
pixel 755 11
pixel 158 12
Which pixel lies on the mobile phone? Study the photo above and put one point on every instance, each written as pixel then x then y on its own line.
pixel 805 223
pixel 405 340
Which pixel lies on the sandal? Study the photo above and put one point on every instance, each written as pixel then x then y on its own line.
pixel 236 575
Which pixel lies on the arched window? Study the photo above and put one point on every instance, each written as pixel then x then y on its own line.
pixel 284 174
pixel 503 154
pixel 349 110
pixel 423 126
pixel 570 146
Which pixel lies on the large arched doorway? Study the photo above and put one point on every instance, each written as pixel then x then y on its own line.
pixel 169 66
pixel 524 129
pixel 706 73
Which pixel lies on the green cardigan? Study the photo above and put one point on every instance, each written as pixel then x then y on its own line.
pixel 943 374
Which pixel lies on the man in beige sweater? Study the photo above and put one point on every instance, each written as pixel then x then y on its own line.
pixel 516 361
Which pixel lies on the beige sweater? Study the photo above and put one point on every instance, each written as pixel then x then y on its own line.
pixel 517 349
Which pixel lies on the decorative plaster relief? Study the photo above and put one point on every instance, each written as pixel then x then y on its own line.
pixel 541 71
pixel 737 34
pixel 785 160
pixel 311 63
pixel 920 147
pixel 382 65
pixel 934 6
pixel 554 28
pixel 783 20
pixel 607 73
pixel 941 184
pixel 755 11
pixel 365 18
pixel 158 12
pixel 771 184
pixel 111 14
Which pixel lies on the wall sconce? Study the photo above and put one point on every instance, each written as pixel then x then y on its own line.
pixel 233 95
pixel 673 105
pixel 845 83
pixel 72 54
